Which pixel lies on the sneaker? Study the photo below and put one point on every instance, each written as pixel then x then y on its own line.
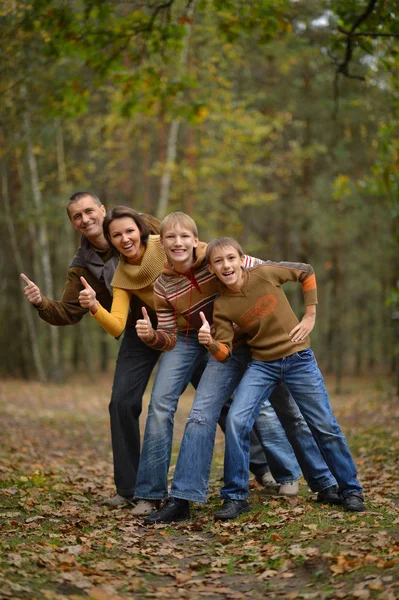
pixel 354 503
pixel 174 510
pixel 329 496
pixel 117 501
pixel 291 488
pixel 145 507
pixel 267 480
pixel 231 509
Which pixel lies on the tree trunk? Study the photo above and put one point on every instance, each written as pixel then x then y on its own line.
pixel 43 245
pixel 189 195
pixel 20 266
pixel 359 340
pixel 166 177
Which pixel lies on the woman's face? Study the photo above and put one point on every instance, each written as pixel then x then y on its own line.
pixel 125 236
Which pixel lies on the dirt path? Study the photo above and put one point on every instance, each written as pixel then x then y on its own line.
pixel 57 542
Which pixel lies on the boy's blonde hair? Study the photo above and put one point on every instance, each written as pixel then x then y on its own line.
pixel 178 218
pixel 222 242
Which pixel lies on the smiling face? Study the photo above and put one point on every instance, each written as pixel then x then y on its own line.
pixel 126 237
pixel 226 263
pixel 87 218
pixel 179 243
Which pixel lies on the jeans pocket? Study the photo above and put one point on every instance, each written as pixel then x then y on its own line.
pixel 303 355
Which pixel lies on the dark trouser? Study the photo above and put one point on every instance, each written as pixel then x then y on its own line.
pixel 134 366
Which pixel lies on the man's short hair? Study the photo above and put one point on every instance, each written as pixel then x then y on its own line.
pixel 119 212
pixel 79 195
pixel 222 242
pixel 178 218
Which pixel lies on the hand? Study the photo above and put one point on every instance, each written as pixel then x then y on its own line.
pixel 144 327
pixel 303 329
pixel 31 291
pixel 87 297
pixel 204 334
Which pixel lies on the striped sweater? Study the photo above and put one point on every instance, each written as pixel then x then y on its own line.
pixel 261 310
pixel 185 295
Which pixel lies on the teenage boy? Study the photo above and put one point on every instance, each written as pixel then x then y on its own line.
pixel 96 261
pixel 187 289
pixel 254 301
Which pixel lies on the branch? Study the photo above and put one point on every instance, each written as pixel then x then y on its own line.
pixel 342 68
pixel 366 33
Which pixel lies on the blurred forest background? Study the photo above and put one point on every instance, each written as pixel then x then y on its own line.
pixel 276 122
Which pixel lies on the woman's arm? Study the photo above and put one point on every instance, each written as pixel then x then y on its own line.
pixel 113 322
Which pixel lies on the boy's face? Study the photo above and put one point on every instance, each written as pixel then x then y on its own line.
pixel 179 243
pixel 226 264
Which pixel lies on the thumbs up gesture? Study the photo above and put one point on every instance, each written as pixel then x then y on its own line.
pixel 31 291
pixel 144 328
pixel 87 297
pixel 204 334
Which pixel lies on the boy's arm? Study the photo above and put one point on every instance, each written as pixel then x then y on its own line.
pixel 221 345
pixel 164 337
pixel 281 272
pixel 304 273
pixel 305 327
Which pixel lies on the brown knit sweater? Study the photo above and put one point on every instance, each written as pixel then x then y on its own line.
pixel 261 309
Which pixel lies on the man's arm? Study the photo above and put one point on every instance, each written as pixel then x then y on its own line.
pixel 67 310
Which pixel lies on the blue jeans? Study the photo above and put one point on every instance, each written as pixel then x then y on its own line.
pixel 176 369
pixel 174 372
pixel 194 462
pixel 304 380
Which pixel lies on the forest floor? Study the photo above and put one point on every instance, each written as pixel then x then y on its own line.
pixel 57 542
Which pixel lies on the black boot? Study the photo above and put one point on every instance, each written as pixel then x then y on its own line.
pixel 173 510
pixel 329 496
pixel 231 509
pixel 354 503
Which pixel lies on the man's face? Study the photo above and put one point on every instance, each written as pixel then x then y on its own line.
pixel 87 217
pixel 226 263
pixel 179 243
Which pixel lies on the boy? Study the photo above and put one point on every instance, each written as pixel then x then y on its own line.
pixel 254 300
pixel 187 289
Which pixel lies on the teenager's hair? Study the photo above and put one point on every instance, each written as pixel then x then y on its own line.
pixel 178 218
pixel 119 212
pixel 79 195
pixel 222 242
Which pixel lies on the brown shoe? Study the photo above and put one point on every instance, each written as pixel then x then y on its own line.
pixel 145 507
pixel 117 501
